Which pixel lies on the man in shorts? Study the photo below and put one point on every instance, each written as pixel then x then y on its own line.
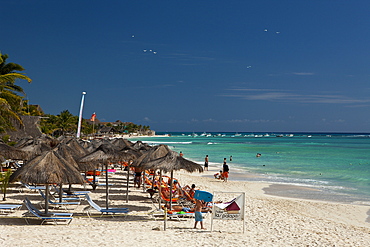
pixel 198 213
pixel 206 163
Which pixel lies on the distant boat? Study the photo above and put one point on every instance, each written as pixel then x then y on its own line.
pixel 309 136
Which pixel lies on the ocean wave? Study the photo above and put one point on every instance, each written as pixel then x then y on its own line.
pixel 301 181
pixel 158 142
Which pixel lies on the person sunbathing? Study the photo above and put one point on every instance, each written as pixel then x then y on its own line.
pixel 178 208
pixel 190 190
pixel 177 191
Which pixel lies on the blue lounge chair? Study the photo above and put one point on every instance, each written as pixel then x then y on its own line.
pixel 8 208
pixel 95 206
pixel 62 204
pixel 71 193
pixel 28 202
pixel 53 217
pixel 31 187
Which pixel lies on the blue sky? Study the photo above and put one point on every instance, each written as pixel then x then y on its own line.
pixel 262 65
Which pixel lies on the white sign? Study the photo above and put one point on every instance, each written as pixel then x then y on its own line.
pixel 232 210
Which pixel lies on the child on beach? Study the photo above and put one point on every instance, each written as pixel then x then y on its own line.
pixel 198 213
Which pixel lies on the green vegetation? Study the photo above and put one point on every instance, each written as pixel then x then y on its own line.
pixel 4 180
pixel 11 95
pixel 66 124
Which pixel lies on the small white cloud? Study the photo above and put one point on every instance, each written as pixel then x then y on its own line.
pixel 339 121
pixel 209 120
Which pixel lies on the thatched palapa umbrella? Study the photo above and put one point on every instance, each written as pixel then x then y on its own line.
pixel 162 158
pixel 106 154
pixel 48 168
pixel 13 153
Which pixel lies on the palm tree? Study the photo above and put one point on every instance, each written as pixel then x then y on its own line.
pixel 66 122
pixel 4 179
pixel 10 101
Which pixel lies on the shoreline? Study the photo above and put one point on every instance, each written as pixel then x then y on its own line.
pixel 295 190
pixel 267 190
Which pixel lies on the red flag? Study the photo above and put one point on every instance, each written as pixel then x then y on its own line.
pixel 93 116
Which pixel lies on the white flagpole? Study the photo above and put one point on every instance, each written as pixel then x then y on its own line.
pixel 80 116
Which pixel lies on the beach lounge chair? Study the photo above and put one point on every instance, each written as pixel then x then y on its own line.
pixel 31 187
pixel 96 207
pixel 166 199
pixel 88 181
pixel 59 204
pixel 50 217
pixel 9 208
pixel 158 212
pixel 71 193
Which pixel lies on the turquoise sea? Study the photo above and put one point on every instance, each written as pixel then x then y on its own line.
pixel 328 166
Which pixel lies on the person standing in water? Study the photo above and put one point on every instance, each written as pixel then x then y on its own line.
pixel 206 163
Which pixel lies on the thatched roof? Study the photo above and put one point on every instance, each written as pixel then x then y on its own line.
pixel 107 153
pixel 12 152
pixel 139 145
pixel 30 127
pixel 68 154
pixel 162 158
pixel 108 130
pixel 48 168
pixel 121 143
pixel 77 150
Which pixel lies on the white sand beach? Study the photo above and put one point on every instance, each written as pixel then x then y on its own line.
pixel 269 221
